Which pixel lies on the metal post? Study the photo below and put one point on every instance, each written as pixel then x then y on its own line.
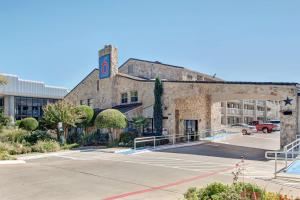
pixel 188 135
pixel 285 159
pixel 154 141
pixel 134 144
pixel 173 139
pixel 275 174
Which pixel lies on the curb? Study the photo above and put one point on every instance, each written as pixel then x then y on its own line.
pixel 11 162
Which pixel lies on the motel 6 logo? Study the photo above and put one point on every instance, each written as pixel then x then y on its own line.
pixel 104 66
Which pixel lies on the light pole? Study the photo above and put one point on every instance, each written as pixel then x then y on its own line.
pixel 61 132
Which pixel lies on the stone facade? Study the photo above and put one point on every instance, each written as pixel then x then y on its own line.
pixel 183 99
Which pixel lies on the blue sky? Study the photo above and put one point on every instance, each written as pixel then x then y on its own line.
pixel 57 41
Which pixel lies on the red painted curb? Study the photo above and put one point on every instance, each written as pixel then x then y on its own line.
pixel 167 185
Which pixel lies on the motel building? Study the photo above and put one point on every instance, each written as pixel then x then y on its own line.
pixel 192 101
pixel 24 98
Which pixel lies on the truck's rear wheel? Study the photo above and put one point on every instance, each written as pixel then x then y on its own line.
pixel 265 130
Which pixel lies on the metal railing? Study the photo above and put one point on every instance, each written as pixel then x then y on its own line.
pixel 155 141
pixel 290 152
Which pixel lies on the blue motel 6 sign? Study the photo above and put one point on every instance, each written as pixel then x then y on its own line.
pixel 104 66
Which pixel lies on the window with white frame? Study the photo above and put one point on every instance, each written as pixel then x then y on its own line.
pixel 134 96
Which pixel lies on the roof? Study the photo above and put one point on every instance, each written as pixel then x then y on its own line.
pixel 153 62
pixel 211 82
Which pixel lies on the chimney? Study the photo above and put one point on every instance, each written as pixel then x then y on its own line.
pixel 108 61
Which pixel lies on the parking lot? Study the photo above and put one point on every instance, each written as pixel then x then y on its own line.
pixel 166 174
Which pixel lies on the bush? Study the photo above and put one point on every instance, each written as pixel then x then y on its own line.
pixel 17 123
pixel 127 139
pixel 239 191
pixel 15 148
pixel 5 156
pixel 29 124
pixel 13 135
pixel 34 137
pixel 87 115
pixel 111 118
pixel 46 146
pixel 70 146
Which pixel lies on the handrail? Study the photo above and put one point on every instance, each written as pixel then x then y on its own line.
pixel 289 149
pixel 199 136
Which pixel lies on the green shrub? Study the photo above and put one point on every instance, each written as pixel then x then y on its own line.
pixel 87 114
pixel 111 118
pixel 17 123
pixel 35 136
pixel 212 189
pixel 70 146
pixel 4 155
pixel 239 191
pixel 127 139
pixel 46 146
pixel 29 124
pixel 192 194
pixel 13 135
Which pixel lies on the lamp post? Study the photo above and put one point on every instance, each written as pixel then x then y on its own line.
pixel 61 132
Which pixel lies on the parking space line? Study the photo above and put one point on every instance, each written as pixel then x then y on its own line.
pixel 152 189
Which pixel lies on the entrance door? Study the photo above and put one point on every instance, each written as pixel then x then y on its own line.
pixel 191 128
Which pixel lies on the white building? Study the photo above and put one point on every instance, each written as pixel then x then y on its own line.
pixel 24 98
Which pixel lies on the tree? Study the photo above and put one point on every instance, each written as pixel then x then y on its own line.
pixel 87 115
pixel 3 80
pixel 63 112
pixel 111 119
pixel 29 124
pixel 157 109
pixel 140 123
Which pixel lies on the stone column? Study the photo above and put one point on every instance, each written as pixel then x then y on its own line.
pixel 243 114
pixel 298 122
pixel 9 107
pixel 255 110
pixel 225 113
pixel 266 111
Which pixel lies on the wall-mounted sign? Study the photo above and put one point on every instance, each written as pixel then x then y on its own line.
pixel 104 66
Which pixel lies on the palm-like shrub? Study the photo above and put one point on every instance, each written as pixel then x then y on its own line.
pixel 29 124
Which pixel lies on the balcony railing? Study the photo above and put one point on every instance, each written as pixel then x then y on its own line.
pixel 249 112
pixel 234 111
pixel 260 113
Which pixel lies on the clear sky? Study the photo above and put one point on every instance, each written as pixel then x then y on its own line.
pixel 57 41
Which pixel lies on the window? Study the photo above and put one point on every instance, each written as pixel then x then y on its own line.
pixel 89 102
pixel 199 78
pixel 1 103
pixel 81 102
pixel 30 107
pixel 124 98
pixel 134 96
pixel 98 85
pixel 189 77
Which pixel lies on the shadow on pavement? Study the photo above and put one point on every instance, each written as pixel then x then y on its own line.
pixel 221 150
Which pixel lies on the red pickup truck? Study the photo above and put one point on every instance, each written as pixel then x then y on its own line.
pixel 264 127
